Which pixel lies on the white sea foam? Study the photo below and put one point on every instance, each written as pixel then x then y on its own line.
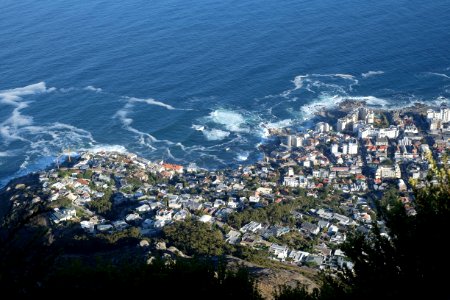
pixel 371 73
pixel 9 129
pixel 144 139
pixel 198 127
pixel 344 76
pixel 215 134
pixel 16 119
pixel 150 101
pixel 6 153
pixel 326 101
pixel 11 96
pixel 214 157
pixel 170 155
pixel 122 115
pixel 311 81
pixel 107 148
pixel 298 84
pixel 279 124
pixel 439 74
pixel 298 81
pixel 231 120
pixel 347 77
pixel 441 100
pixel 242 156
pixel 264 127
pixel 67 90
pixel 93 89
pixel 330 87
pixel 370 100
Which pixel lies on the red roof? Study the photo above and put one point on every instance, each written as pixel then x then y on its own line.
pixel 173 167
pixel 83 181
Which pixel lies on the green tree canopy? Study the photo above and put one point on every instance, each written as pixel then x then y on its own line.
pixel 195 238
pixel 408 263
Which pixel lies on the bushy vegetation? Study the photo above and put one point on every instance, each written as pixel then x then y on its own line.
pixel 195 238
pixel 187 279
pixel 33 264
pixel 103 205
pixel 280 213
pixel 404 265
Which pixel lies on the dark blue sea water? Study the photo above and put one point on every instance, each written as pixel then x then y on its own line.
pixel 200 81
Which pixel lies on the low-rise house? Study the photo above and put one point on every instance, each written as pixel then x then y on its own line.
pixel 206 219
pixel 313 260
pixel 104 227
pixel 233 237
pixel 223 213
pixel 63 214
pixel 174 203
pixel 119 225
pixel 219 203
pixel 332 230
pixel 88 226
pixel 275 231
pixel 249 240
pixel 280 252
pixel 291 181
pixel 253 199
pixel 54 197
pixel 132 217
pixel 193 205
pixel 251 227
pixel 180 215
pixel 71 196
pixel 344 220
pixel 172 168
pixel 143 208
pixel 326 215
pixel 297 256
pixel 232 204
pixel 164 214
pixel 323 224
pixel 310 228
pixel 161 223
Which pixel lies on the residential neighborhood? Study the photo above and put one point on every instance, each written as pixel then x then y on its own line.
pixel 313 185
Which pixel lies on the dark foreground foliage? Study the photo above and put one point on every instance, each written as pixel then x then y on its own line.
pixel 37 261
pixel 409 264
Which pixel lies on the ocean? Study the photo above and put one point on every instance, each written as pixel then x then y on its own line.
pixel 202 81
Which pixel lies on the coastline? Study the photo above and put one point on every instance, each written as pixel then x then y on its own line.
pixel 324 114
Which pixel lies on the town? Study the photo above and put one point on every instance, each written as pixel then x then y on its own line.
pixel 314 186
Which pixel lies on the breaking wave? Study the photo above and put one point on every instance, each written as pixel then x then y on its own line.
pixel 230 120
pixel 243 156
pixel 215 134
pixel 330 101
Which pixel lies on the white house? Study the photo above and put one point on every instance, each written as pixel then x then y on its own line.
pixel 280 252
pixel 251 227
pixel 63 214
pixel 297 256
pixel 205 219
pixel 143 208
pixel 253 199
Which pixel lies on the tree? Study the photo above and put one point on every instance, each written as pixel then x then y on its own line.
pixel 104 204
pixel 195 238
pixel 404 264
